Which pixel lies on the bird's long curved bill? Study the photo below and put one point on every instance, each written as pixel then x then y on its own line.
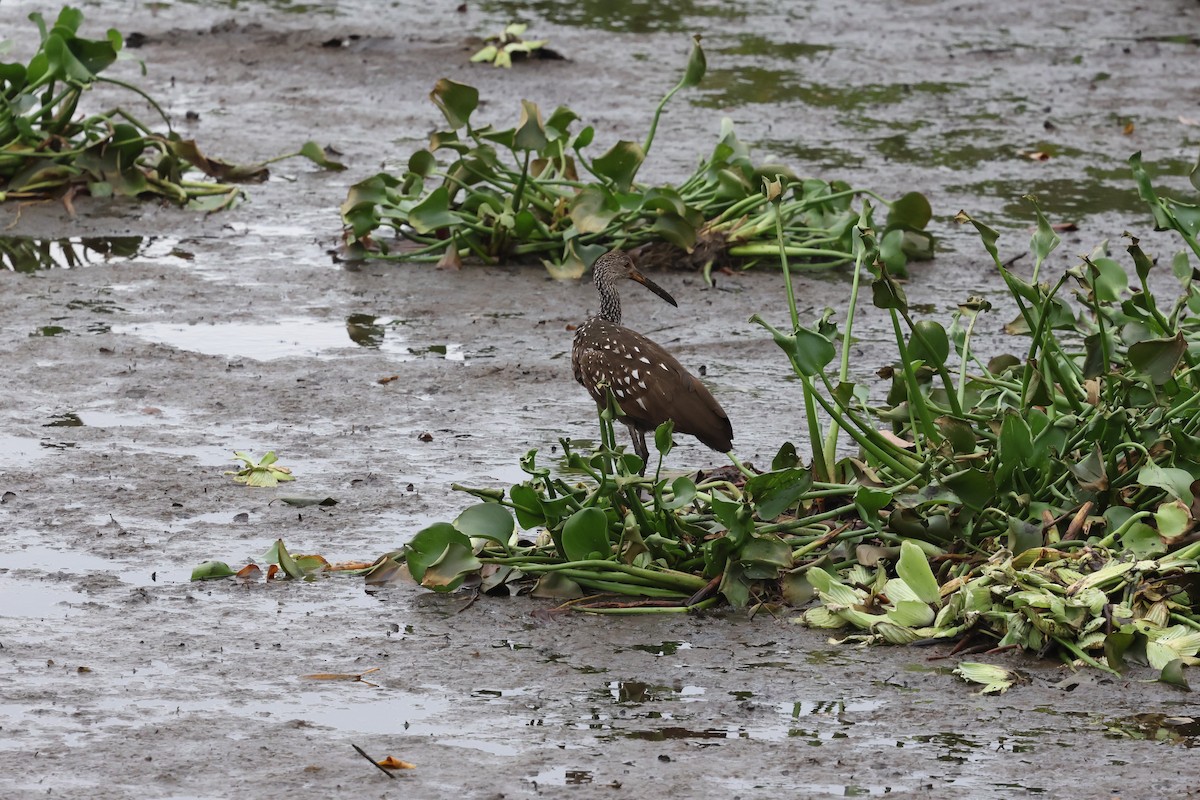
pixel 652 286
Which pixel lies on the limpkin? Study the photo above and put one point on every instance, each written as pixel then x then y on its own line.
pixel 649 385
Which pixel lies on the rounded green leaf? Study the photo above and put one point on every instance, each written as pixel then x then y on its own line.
pixel 811 351
pixel 929 343
pixel 486 521
pixel 422 162
pixel 211 570
pixel 912 211
pixel 584 138
pixel 586 534
pixel 1173 519
pixel 620 164
pixel 1176 482
pixel 593 208
pixel 433 212
pixel 1110 280
pixel 775 492
pixel 1157 358
pixel 456 100
pixel 431 545
pixel 528 506
pixel 1143 541
pixel 531 132
pixel 684 490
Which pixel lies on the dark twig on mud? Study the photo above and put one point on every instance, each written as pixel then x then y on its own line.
pixel 374 763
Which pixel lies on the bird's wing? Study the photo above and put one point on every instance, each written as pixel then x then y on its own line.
pixel 651 387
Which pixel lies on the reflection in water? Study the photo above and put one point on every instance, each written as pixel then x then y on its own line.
pixel 27 254
pixel 365 330
pixel 67 420
pixel 1157 727
pixel 291 337
pixel 747 84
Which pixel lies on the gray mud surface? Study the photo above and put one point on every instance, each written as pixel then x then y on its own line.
pixel 120 678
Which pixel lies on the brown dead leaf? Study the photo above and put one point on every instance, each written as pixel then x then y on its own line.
pixel 451 259
pixel 213 167
pixel 896 440
pixel 1128 129
pixel 391 762
pixel 249 572
pixel 1037 155
pixel 1064 227
pixel 272 570
pixel 385 381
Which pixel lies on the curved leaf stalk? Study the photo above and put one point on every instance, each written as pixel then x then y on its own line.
pixel 916 396
pixel 692 75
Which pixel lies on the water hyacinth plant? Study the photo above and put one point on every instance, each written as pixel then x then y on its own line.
pixel 533 192
pixel 1045 501
pixel 48 149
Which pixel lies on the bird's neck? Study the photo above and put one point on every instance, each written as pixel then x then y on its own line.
pixel 610 303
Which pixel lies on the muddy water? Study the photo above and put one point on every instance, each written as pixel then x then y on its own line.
pixel 144 345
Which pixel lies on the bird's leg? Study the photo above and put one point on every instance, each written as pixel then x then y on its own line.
pixel 639 445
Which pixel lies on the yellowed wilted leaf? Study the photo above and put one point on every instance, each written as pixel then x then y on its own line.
pixel 391 762
pixel 343 566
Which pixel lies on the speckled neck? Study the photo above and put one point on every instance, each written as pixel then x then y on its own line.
pixel 610 299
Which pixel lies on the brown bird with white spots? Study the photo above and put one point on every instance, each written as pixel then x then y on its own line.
pixel 649 385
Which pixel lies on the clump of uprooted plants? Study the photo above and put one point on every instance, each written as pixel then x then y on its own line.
pixel 1045 500
pixel 47 149
pixel 530 192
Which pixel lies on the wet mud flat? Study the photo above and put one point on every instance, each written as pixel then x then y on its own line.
pixel 174 339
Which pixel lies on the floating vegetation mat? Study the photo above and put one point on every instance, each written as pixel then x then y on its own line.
pixel 49 150
pixel 530 192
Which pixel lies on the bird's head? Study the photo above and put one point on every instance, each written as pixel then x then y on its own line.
pixel 616 264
